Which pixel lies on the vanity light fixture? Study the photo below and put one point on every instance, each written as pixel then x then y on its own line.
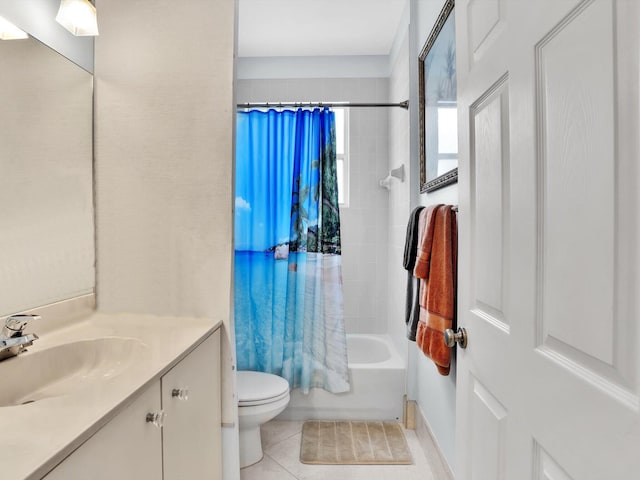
pixel 8 31
pixel 78 16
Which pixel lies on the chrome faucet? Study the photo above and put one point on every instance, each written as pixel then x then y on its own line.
pixel 13 341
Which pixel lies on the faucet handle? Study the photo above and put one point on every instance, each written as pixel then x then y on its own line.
pixel 15 323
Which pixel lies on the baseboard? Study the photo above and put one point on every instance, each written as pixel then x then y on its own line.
pixel 429 443
pixel 230 453
pixel 409 414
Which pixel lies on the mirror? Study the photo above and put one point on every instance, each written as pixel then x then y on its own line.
pixel 46 179
pixel 438 104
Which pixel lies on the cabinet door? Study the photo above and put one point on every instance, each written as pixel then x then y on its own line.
pixel 191 433
pixel 126 448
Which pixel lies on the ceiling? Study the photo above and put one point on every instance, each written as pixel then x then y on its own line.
pixel 274 28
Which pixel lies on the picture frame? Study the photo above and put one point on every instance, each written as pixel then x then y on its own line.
pixel 438 104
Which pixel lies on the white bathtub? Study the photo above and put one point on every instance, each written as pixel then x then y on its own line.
pixel 377 386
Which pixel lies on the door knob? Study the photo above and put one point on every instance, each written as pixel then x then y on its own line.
pixel 451 337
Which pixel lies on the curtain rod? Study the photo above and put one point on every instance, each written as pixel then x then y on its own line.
pixel 404 104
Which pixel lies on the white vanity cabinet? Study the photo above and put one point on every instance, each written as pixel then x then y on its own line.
pixel 187 446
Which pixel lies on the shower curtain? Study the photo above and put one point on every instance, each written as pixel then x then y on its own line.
pixel 288 281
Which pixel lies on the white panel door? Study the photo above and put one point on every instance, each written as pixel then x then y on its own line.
pixel 548 387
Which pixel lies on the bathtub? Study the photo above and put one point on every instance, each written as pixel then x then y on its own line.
pixel 377 374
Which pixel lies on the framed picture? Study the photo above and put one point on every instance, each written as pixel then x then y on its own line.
pixel 438 104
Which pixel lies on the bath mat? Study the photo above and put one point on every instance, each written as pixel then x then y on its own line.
pixel 353 443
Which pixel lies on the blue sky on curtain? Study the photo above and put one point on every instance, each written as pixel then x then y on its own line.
pixel 288 276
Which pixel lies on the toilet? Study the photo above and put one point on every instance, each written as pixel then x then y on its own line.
pixel 261 396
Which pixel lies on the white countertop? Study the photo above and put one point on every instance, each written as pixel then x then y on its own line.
pixel 38 436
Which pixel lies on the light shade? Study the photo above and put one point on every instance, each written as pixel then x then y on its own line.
pixel 8 31
pixel 78 16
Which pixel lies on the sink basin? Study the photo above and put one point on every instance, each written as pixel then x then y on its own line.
pixel 67 369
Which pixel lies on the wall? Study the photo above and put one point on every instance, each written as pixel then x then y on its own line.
pixel 434 394
pixel 364 222
pixel 346 66
pixel 37 17
pixel 164 114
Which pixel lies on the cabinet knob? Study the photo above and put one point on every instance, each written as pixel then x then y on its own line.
pixel 156 418
pixel 180 393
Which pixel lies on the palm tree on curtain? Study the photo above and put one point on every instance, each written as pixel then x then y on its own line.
pixel 301 240
pixel 329 208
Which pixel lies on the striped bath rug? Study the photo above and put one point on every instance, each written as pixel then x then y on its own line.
pixel 353 443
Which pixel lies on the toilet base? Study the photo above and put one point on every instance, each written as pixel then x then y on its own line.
pixel 254 410
pixel 250 446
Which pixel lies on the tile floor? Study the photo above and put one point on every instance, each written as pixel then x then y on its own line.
pixel 281 445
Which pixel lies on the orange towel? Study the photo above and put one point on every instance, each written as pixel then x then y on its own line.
pixel 436 265
pixel 426 225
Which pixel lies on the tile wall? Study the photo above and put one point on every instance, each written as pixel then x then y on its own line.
pixel 399 200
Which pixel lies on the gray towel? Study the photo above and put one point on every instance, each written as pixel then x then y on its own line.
pixel 411 241
pixel 412 306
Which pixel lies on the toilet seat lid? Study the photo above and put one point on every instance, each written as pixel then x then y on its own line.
pixel 255 388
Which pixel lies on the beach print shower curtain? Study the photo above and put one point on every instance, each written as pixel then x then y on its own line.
pixel 288 281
